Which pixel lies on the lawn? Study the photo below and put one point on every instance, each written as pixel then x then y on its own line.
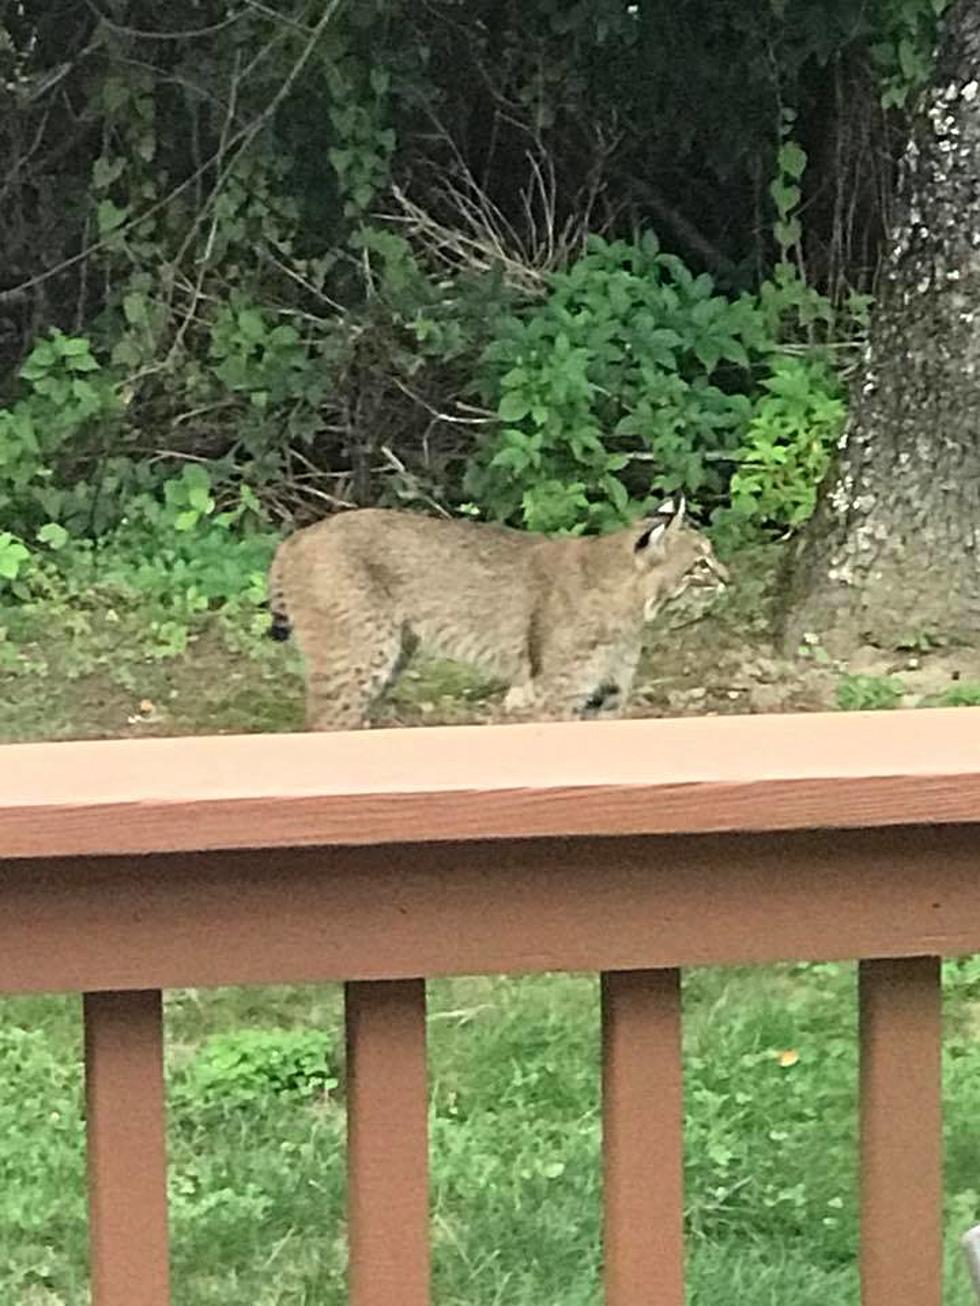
pixel 257 1147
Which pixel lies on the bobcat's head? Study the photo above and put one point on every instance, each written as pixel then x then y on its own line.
pixel 673 557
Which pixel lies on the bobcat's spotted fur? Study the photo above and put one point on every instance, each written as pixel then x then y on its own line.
pixel 559 618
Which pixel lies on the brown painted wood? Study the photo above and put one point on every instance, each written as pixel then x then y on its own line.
pixel 596 778
pixel 387 1144
pixel 642 1096
pixel 901 1132
pixel 293 916
pixel 379 857
pixel 127 1168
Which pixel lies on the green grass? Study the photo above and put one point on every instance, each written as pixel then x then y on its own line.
pixel 257 1158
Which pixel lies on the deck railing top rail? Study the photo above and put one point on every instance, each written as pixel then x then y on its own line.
pixel 398 786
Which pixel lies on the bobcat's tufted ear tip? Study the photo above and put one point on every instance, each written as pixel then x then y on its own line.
pixel 668 515
pixel 673 508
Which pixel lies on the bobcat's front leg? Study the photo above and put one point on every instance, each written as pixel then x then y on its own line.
pixel 596 683
pixel 520 697
pixel 565 699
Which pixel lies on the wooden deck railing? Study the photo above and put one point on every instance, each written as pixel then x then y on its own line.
pixel 380 859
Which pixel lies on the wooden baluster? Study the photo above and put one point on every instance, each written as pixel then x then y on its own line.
pixel 901 1132
pixel 387 1143
pixel 642 1091
pixel 127 1165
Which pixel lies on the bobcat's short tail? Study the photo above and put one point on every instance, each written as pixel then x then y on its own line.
pixel 281 626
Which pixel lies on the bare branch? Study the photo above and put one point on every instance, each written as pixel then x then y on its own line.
pixel 239 142
pixel 486 418
pixel 186 35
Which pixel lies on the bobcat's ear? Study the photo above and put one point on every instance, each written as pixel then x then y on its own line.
pixel 653 531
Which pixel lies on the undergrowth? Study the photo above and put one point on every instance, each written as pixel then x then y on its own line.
pixel 610 381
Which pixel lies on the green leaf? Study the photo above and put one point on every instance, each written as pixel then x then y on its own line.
pixel 24 428
pixel 788 233
pixel 908 59
pixel 251 324
pixel 57 388
pixel 109 217
pixel 126 352
pixel 702 286
pixel 194 474
pixel 106 171
pixel 340 160
pixel 83 363
pixel 86 394
pixel 513 407
pixel 708 353
pixel 784 197
pixel 617 492
pixel 792 160
pixel 284 334
pixel 38 361
pixel 54 535
pixel 660 345
pixel 13 555
pixel 134 309
pixel 735 351
pixel 115 93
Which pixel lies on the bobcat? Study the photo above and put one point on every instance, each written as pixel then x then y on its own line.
pixel 559 618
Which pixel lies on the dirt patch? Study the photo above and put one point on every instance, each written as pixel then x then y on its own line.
pixel 208 689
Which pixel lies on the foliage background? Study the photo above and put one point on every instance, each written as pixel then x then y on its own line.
pixel 539 262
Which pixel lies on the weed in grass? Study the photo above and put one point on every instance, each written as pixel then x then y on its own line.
pixel 869 693
pixel 965 693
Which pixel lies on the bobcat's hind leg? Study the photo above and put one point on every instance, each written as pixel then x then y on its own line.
pixel 345 674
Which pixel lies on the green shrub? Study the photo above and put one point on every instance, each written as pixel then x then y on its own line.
pixel 630 379
pixel 787 444
pixel 67 401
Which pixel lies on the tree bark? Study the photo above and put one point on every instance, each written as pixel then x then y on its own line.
pixel 890 555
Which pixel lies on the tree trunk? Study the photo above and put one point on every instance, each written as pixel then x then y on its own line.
pixel 891 554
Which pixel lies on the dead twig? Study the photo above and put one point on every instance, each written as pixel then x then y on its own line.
pixel 485 418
